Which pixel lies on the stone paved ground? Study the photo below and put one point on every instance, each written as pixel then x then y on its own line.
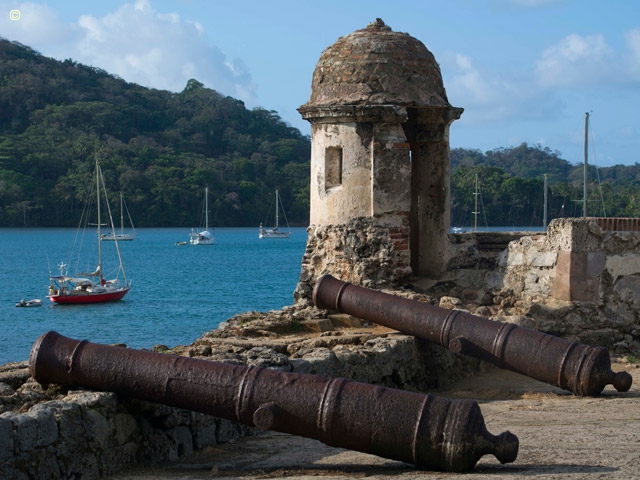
pixel 561 437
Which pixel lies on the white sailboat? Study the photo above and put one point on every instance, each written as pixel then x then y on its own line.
pixel 203 236
pixel 121 236
pixel 275 232
pixel 93 287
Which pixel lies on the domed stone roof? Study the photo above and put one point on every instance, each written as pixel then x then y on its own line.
pixel 377 66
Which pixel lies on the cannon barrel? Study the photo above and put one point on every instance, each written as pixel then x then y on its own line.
pixel 423 429
pixel 581 369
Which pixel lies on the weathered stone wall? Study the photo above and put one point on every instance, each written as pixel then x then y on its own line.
pixel 585 281
pixel 578 280
pixel 70 434
pixel 577 260
pixel 351 197
pixel 359 252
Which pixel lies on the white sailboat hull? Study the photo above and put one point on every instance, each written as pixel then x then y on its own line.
pixel 275 232
pixel 201 238
pixel 204 236
pixel 121 237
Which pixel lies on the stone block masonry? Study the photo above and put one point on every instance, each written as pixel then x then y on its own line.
pixel 580 280
pixel 359 252
pixel 89 435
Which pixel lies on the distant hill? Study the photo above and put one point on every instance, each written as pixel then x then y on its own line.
pixel 159 148
pixel 511 187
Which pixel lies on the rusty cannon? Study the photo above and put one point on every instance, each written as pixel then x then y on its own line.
pixel 429 431
pixel 581 369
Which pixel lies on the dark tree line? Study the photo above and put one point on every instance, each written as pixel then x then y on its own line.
pixel 511 187
pixel 160 149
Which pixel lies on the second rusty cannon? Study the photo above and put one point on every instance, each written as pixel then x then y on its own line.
pixel 423 429
pixel 581 369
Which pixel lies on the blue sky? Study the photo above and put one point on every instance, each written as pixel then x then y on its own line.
pixel 523 70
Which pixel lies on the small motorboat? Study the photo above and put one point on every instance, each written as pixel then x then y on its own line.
pixel 36 302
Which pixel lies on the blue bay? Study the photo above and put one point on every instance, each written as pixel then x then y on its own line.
pixel 178 293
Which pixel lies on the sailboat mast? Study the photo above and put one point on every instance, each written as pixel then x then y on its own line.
pixel 206 208
pixel 476 211
pixel 121 216
pixel 99 219
pixel 276 208
pixel 586 154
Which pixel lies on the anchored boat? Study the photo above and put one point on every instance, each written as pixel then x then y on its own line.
pixel 95 286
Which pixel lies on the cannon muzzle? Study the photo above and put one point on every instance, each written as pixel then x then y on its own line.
pixel 581 369
pixel 426 430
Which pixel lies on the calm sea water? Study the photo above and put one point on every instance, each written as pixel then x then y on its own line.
pixel 178 293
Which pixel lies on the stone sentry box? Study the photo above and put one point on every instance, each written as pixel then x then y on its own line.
pixel 380 198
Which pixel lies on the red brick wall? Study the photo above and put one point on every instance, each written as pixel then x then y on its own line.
pixel 619 224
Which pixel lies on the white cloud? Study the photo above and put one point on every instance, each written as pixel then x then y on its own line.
pixel 142 5
pixel 466 82
pixel 576 61
pixel 487 97
pixel 92 28
pixel 137 43
pixel 198 26
pixel 633 42
pixel 38 24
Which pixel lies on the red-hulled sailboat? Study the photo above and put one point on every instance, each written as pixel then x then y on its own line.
pixel 92 287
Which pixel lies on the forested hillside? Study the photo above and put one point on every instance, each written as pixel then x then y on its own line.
pixel 511 187
pixel 160 149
